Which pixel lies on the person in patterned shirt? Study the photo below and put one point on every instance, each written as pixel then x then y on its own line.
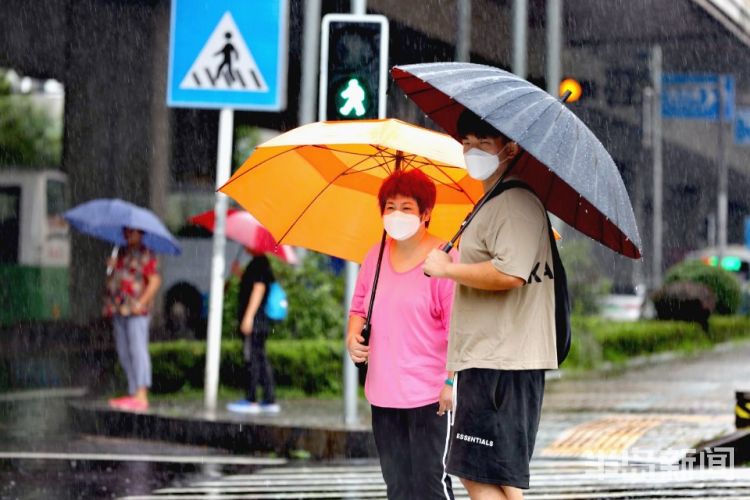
pixel 130 292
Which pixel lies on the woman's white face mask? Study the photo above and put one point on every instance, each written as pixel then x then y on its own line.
pixel 481 164
pixel 401 226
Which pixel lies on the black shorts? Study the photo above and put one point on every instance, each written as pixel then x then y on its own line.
pixel 496 419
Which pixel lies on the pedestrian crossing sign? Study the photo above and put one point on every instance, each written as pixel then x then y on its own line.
pixel 228 54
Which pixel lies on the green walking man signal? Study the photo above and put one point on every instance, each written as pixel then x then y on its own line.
pixel 353 67
pixel 354 99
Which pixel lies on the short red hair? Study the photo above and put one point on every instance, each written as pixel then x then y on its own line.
pixel 412 184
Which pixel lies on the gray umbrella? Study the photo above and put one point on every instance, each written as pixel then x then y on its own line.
pixel 567 166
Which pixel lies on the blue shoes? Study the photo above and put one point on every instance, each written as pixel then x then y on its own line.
pixel 244 406
pixel 251 407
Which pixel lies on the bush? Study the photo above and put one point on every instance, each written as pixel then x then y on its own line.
pixel 725 286
pixel 585 349
pixel 177 363
pixel 229 323
pixel 315 295
pixel 586 281
pixel 596 340
pixel 316 299
pixel 627 339
pixel 685 301
pixel 312 366
pixel 723 328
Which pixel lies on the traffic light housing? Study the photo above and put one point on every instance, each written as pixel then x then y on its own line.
pixel 353 67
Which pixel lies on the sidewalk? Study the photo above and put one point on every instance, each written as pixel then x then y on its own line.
pixel 304 427
pixel 650 413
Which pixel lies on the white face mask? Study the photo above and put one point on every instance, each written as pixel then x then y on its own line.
pixel 401 226
pixel 481 164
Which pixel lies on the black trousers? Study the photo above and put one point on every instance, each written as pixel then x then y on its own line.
pixel 411 443
pixel 258 369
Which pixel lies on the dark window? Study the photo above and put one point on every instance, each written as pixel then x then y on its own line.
pixel 10 223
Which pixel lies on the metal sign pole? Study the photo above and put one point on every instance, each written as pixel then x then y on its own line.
pixel 351 374
pixel 216 301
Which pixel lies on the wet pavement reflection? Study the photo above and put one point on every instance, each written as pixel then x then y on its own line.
pixel 42 459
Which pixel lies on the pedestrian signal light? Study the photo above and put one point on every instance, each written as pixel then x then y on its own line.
pixel 353 67
pixel 352 100
pixel 575 88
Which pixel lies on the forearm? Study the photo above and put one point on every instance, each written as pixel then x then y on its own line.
pixel 154 282
pixel 256 297
pixel 355 325
pixel 482 276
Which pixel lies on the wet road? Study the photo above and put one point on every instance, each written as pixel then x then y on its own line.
pixel 144 480
pixel 77 476
pixel 41 459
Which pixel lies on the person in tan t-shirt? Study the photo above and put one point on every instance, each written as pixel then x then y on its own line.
pixel 502 334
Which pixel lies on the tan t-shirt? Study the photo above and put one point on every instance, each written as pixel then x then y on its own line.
pixel 513 329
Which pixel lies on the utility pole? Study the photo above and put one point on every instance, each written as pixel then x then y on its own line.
pixel 639 185
pixel 351 374
pixel 310 51
pixel 554 42
pixel 655 63
pixel 520 24
pixel 722 198
pixel 463 33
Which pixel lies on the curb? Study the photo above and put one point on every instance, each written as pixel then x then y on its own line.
pixel 246 437
pixel 717 451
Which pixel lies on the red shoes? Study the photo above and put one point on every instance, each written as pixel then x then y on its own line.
pixel 128 403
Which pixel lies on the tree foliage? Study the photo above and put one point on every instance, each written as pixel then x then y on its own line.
pixel 586 281
pixel 315 296
pixel 29 136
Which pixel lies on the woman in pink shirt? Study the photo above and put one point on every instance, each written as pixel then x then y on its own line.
pixel 407 383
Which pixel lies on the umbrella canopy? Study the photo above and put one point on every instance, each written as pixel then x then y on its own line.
pixel 106 218
pixel 567 166
pixel 246 230
pixel 316 186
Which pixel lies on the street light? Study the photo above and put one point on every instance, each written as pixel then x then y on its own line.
pixel 572 85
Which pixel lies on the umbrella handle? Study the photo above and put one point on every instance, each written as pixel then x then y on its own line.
pixel 445 248
pixel 113 255
pixel 366 334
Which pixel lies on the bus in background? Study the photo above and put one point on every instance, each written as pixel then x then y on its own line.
pixel 34 245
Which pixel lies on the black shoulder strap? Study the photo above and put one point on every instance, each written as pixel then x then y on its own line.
pixel 562 301
pixel 504 186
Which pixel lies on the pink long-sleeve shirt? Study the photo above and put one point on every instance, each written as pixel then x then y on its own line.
pixel 409 339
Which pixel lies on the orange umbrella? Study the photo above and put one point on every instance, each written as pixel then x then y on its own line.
pixel 316 186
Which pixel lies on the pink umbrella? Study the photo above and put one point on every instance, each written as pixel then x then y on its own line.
pixel 246 230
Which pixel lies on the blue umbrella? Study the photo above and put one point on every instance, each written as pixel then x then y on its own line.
pixel 106 218
pixel 566 165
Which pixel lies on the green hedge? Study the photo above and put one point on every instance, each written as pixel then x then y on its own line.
pixel 315 366
pixel 723 328
pixel 312 366
pixel 596 340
